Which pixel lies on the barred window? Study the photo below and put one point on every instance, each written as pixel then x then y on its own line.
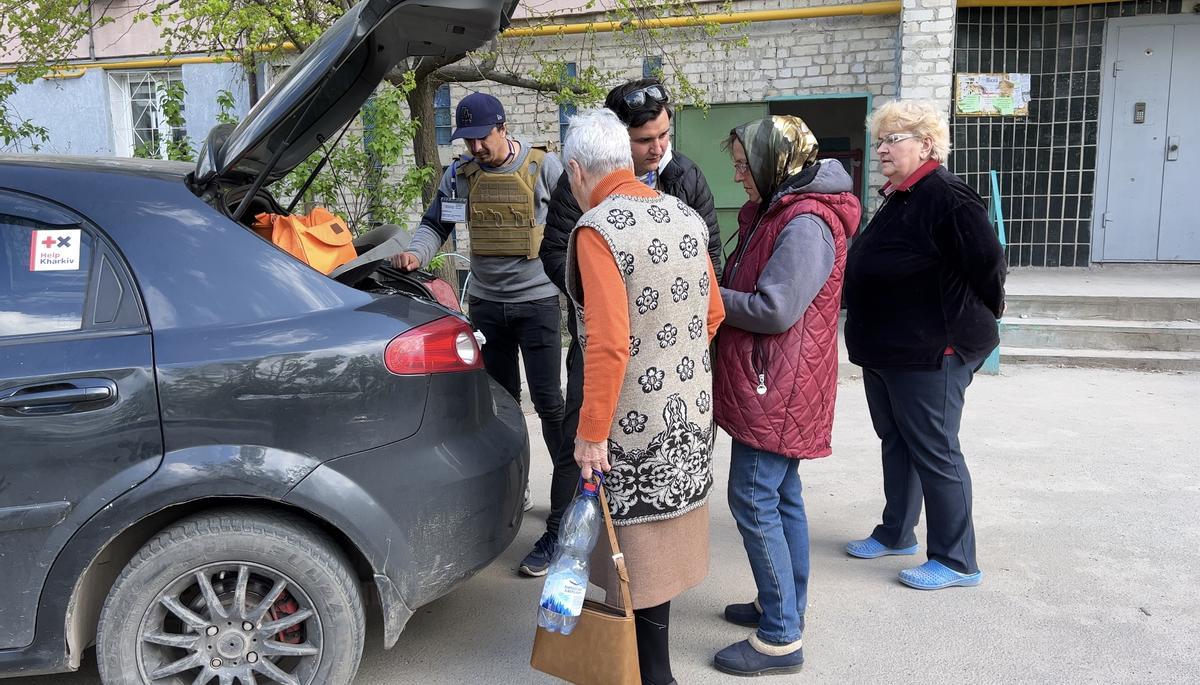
pixel 565 112
pixel 140 125
pixel 441 113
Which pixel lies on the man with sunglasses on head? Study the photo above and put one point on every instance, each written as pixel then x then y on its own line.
pixel 644 107
pixel 501 190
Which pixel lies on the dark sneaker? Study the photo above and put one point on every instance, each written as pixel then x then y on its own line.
pixel 537 562
pixel 747 614
pixel 747 659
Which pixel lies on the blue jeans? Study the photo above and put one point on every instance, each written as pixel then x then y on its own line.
pixel 766 500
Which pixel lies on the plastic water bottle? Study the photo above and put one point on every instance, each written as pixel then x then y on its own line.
pixel 567 579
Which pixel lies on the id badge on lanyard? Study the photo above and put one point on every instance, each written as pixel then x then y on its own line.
pixel 454 210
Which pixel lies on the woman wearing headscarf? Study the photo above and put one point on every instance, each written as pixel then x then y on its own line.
pixel 776 373
pixel 924 287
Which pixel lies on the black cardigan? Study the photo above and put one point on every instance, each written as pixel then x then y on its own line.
pixel 927 274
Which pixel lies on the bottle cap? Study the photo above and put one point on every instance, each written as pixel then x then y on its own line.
pixel 589 488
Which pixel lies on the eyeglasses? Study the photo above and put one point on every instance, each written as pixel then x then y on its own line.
pixel 637 99
pixel 740 167
pixel 893 138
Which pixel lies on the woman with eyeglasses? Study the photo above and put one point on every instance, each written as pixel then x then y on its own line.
pixel 924 288
pixel 776 372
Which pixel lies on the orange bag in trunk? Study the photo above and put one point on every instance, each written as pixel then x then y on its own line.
pixel 319 239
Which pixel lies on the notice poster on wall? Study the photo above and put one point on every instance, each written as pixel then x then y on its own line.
pixel 991 95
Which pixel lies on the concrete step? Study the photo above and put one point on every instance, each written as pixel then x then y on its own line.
pixel 1100 334
pixel 1104 307
pixel 1141 360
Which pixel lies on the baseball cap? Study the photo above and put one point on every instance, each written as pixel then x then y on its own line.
pixel 477 114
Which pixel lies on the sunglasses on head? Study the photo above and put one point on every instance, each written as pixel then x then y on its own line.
pixel 637 99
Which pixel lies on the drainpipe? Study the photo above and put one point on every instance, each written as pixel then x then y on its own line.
pixel 252 82
pixel 91 32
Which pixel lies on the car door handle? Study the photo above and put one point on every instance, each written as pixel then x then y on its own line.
pixel 75 391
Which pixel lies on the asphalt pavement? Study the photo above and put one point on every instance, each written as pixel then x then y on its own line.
pixel 1087 493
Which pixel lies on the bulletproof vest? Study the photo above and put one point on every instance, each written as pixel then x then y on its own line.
pixel 501 210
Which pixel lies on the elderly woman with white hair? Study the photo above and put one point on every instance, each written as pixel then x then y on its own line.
pixel 924 288
pixel 646 295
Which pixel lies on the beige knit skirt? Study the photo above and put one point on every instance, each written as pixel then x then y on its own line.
pixel 664 558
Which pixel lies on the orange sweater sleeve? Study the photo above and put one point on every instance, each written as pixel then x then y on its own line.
pixel 716 308
pixel 606 318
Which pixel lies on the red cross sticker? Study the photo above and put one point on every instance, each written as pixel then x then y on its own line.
pixel 57 250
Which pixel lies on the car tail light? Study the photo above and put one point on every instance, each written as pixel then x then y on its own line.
pixel 444 294
pixel 445 345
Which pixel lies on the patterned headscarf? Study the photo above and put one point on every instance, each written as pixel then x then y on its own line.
pixel 777 148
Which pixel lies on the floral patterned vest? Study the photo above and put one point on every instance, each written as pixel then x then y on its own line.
pixel 660 445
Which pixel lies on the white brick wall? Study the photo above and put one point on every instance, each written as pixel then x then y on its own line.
pixel 801 57
pixel 887 56
pixel 926 44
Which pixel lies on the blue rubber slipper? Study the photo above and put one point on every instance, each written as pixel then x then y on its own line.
pixel 933 575
pixel 870 548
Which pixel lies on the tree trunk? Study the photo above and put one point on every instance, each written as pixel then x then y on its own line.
pixel 425 148
pixel 425 153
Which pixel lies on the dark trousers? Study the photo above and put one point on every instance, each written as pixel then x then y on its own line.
pixel 652 625
pixel 530 328
pixel 566 472
pixel 916 415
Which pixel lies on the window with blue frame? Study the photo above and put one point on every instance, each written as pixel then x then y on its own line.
pixel 441 115
pixel 565 112
pixel 652 67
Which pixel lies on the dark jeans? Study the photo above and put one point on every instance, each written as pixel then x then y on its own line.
pixel 917 415
pixel 765 496
pixel 566 472
pixel 530 328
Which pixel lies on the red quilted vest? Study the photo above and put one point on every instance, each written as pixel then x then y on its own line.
pixel 799 367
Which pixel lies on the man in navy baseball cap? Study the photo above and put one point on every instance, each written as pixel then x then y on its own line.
pixel 501 190
pixel 476 116
pixel 479 122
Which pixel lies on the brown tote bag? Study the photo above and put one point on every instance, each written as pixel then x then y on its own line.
pixel 602 650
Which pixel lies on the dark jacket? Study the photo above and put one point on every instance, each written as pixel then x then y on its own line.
pixel 926 274
pixel 682 179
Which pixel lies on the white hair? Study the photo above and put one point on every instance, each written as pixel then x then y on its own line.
pixel 598 142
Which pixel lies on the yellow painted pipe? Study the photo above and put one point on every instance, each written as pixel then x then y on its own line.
pixel 883 7
pixel 77 69
pixel 64 74
pixel 754 16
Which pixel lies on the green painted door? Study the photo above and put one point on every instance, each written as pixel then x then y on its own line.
pixel 699 137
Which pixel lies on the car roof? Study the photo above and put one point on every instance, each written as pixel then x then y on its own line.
pixel 133 166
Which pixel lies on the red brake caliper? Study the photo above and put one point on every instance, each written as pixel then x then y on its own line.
pixel 286 606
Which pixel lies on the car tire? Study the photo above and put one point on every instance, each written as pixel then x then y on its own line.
pixel 160 615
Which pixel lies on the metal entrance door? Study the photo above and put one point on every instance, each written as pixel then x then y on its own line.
pixel 1179 221
pixel 1153 143
pixel 699 137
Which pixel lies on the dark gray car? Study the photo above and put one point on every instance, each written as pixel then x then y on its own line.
pixel 212 455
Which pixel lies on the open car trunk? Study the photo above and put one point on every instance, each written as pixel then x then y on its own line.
pixel 316 98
